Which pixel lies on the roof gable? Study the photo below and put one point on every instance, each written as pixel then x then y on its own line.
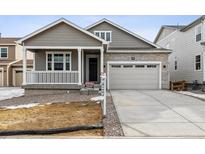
pixel 163 32
pixel 62 20
pixel 122 29
pixel 195 22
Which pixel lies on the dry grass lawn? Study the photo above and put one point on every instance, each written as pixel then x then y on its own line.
pixel 56 115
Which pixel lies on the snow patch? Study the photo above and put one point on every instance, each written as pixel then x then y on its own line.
pixel 97 99
pixel 8 93
pixel 21 106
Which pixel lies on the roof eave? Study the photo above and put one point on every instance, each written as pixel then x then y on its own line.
pixel 55 23
pixel 122 28
pixel 200 19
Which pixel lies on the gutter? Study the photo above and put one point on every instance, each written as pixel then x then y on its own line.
pixel 7 69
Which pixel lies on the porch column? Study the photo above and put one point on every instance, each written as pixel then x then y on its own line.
pixel 101 61
pixel 79 67
pixel 24 64
pixel 82 66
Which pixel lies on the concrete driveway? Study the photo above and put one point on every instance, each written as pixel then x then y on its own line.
pixel 158 113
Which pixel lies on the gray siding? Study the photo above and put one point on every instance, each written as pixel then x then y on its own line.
pixel 143 57
pixel 120 38
pixel 40 60
pixel 185 48
pixel 165 32
pixel 62 35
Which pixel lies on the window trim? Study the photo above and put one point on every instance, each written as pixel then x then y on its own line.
pixel 7 52
pixel 200 25
pixel 198 62
pixel 104 31
pixel 64 60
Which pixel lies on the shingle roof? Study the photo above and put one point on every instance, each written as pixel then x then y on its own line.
pixel 174 26
pixel 193 23
pixel 8 40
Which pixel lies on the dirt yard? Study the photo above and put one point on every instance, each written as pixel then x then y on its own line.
pixel 55 115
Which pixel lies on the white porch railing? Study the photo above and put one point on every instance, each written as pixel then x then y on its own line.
pixel 51 77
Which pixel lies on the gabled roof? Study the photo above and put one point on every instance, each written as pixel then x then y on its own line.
pixel 123 29
pixel 61 20
pixel 182 28
pixel 174 27
pixel 8 40
pixel 193 23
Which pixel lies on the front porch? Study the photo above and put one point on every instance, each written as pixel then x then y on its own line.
pixel 62 67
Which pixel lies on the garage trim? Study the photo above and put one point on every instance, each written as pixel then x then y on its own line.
pixel 132 63
pixel 2 82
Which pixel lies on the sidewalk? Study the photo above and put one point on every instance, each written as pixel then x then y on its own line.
pixel 188 93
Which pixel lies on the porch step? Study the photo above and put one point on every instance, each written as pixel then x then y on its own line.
pixel 88 91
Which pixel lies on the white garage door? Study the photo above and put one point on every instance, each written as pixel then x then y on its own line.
pixel 1 78
pixel 134 76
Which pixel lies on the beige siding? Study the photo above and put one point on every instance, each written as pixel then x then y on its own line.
pixel 184 50
pixel 144 57
pixel 165 32
pixel 19 53
pixel 11 53
pixel 40 60
pixel 62 35
pixel 119 37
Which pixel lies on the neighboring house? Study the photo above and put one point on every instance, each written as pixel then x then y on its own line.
pixel 187 61
pixel 66 56
pixel 11 62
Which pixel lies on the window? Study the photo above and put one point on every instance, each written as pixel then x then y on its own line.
pixel 106 35
pixel 116 66
pixel 175 65
pixel 151 66
pixel 68 61
pixel 59 61
pixel 49 64
pixel 198 62
pixel 127 66
pixel 3 52
pixel 139 66
pixel 198 35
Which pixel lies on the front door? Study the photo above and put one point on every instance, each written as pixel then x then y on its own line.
pixel 93 70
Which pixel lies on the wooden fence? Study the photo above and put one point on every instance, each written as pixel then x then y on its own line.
pixel 179 85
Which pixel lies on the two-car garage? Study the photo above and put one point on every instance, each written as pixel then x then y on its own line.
pixel 134 75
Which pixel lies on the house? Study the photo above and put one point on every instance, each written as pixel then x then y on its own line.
pixel 66 56
pixel 187 61
pixel 11 62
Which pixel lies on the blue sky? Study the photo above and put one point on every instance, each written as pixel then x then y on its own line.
pixel 145 26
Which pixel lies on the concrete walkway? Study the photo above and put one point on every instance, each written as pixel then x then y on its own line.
pixel 149 113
